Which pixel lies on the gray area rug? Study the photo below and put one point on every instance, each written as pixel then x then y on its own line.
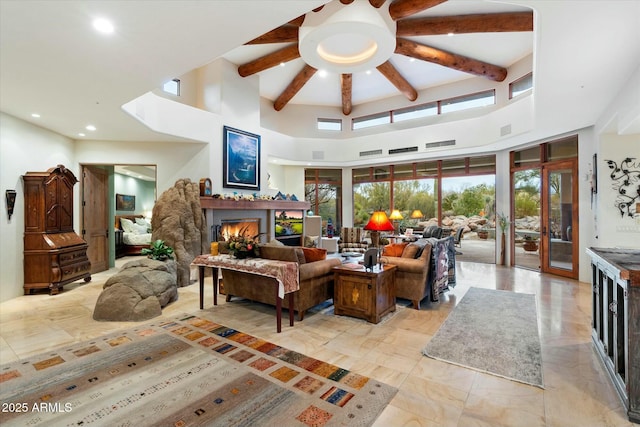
pixel 492 331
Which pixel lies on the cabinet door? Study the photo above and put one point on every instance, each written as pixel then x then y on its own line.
pixel 354 295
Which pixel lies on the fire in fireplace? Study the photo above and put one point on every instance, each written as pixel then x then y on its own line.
pixel 249 227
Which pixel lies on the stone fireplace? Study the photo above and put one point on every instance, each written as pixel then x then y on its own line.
pixel 249 227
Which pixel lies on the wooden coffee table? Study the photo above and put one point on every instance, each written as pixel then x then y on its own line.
pixel 364 294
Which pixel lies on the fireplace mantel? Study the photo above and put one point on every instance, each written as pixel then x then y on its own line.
pixel 211 203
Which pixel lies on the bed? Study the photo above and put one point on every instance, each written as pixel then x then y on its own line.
pixel 135 232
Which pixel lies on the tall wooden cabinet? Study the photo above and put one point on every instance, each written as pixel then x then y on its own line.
pixel 54 254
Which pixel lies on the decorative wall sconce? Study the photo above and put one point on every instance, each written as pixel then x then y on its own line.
pixel 11 201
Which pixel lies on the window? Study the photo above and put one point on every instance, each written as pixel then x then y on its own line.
pixel 330 124
pixel 172 87
pixel 480 99
pixel 372 120
pixel 416 112
pixel 520 86
pixel 323 189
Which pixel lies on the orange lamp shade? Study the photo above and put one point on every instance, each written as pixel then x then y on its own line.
pixel 416 214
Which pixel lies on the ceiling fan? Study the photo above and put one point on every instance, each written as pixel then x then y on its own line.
pixel 347 36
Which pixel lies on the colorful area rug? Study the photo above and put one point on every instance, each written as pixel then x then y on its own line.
pixel 185 372
pixel 492 331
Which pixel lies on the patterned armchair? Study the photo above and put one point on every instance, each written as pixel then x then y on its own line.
pixel 352 240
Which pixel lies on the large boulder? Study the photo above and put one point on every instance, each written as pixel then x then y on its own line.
pixel 138 291
pixel 179 221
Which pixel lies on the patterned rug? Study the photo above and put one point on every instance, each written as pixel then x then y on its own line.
pixel 185 372
pixel 492 331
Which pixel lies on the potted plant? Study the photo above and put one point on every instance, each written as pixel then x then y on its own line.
pixel 483 233
pixel 530 244
pixel 158 251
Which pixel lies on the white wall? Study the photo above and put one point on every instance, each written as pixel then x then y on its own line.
pixel 25 148
pixel 615 230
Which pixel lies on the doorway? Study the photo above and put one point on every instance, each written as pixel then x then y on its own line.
pixel 100 183
pixel 559 219
pixel 544 205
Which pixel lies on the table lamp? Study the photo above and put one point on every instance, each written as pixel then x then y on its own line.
pixel 417 215
pixel 395 217
pixel 377 223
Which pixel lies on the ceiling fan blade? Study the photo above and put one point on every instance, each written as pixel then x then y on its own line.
pixel 396 79
pixel 346 81
pixel 402 8
pixel 450 60
pixel 377 3
pixel 477 23
pixel 294 87
pixel 272 59
pixel 283 34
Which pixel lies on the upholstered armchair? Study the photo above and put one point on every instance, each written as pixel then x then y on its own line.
pixel 352 240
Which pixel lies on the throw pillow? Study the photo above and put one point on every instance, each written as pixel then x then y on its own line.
pixel 127 225
pixel 310 241
pixel 394 249
pixel 314 254
pixel 411 251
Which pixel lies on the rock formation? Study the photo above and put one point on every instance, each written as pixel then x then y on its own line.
pixel 179 221
pixel 138 291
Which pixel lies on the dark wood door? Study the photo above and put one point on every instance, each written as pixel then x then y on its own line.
pixel 95 217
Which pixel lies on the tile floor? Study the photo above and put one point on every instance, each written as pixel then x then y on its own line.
pixel 431 393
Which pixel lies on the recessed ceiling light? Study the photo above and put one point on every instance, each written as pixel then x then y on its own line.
pixel 90 127
pixel 412 59
pixel 36 115
pixel 450 34
pixel 368 71
pixel 282 64
pixel 81 134
pixel 322 73
pixel 103 25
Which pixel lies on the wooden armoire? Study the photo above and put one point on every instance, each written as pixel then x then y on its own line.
pixel 54 254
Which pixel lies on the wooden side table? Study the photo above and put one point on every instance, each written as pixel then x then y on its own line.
pixel 364 294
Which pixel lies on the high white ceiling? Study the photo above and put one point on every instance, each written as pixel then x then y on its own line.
pixel 53 63
pixel 501 49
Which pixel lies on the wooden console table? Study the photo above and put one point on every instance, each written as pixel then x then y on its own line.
pixel 615 276
pixel 285 272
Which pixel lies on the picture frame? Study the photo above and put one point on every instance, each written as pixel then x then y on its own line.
pixel 125 202
pixel 241 159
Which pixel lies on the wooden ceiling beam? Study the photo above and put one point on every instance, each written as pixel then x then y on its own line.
pixel 298 21
pixel 399 9
pixel 294 87
pixel 460 24
pixel 396 79
pixel 376 3
pixel 270 60
pixel 284 34
pixel 450 60
pixel 346 1
pixel 346 82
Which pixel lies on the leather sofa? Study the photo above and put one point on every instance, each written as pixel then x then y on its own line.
pixel 412 272
pixel 316 280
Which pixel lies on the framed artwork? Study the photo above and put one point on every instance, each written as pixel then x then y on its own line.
pixel 125 202
pixel 241 159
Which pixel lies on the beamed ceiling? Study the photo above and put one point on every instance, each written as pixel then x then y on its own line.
pixel 436 42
